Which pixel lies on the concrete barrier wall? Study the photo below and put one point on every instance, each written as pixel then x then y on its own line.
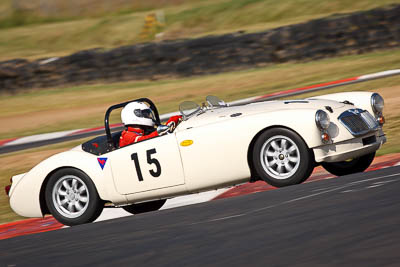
pixel 328 37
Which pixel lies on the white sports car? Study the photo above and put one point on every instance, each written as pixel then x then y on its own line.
pixel 216 145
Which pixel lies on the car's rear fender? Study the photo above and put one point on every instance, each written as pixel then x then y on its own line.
pixel 28 193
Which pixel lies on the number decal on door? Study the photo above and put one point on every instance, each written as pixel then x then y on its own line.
pixel 134 157
pixel 150 160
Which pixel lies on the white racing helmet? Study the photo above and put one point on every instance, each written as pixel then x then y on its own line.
pixel 137 113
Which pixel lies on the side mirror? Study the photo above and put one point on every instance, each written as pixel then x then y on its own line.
pixel 162 129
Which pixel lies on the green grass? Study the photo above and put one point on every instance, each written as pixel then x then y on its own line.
pixel 61 33
pixel 27 109
pixel 236 14
pixel 14 13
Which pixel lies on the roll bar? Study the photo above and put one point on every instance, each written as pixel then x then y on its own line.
pixel 121 105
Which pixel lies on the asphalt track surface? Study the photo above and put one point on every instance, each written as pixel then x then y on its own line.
pixel 350 221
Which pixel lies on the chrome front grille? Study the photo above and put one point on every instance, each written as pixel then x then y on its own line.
pixel 358 121
pixel 369 119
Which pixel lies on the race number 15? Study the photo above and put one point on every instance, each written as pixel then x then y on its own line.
pixel 150 160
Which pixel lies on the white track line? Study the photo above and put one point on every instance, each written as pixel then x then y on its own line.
pixel 297 199
pixel 39 137
pixel 113 213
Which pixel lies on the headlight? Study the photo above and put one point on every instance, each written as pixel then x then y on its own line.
pixel 377 103
pixel 322 119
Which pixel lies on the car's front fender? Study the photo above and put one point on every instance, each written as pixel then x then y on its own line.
pixel 359 99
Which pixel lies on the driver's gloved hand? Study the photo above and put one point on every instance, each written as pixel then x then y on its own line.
pixel 171 125
pixel 162 129
pixel 173 122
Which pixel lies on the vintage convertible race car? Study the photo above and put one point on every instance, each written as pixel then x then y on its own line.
pixel 215 146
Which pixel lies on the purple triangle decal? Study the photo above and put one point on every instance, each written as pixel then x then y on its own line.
pixel 102 162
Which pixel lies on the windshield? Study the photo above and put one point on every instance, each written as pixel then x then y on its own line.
pixel 215 102
pixel 189 108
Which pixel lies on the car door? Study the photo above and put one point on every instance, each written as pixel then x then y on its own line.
pixel 148 165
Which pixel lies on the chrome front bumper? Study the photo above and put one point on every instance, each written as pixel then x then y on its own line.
pixel 349 149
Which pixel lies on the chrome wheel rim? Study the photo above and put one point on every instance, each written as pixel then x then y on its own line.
pixel 280 157
pixel 70 196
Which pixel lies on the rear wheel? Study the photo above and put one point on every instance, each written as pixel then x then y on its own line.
pixel 281 158
pixel 350 166
pixel 72 197
pixel 145 207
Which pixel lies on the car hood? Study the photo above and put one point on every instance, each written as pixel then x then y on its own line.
pixel 225 113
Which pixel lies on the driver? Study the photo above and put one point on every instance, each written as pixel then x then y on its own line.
pixel 139 123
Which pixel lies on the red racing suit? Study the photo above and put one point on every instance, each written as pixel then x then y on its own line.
pixel 132 135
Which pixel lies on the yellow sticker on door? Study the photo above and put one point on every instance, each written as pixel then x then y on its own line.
pixel 186 142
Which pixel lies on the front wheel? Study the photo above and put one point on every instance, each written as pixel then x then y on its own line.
pixel 72 197
pixel 281 157
pixel 145 207
pixel 350 166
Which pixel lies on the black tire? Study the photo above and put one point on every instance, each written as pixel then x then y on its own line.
pixel 76 196
pixel 145 206
pixel 349 167
pixel 269 171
